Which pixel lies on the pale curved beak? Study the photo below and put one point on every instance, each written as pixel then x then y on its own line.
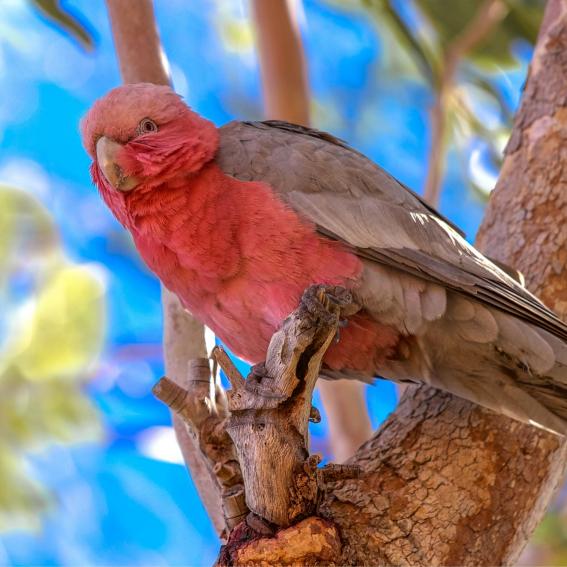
pixel 106 156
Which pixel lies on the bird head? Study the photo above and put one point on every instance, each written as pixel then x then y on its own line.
pixel 141 135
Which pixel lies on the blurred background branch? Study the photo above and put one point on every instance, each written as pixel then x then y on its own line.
pixel 286 97
pixel 142 59
pixel 466 46
pixel 489 13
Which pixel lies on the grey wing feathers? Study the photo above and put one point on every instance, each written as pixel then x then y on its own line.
pixel 353 200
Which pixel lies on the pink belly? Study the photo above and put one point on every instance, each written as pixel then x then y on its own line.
pixel 241 261
pixel 246 320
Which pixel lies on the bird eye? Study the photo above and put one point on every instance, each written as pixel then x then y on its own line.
pixel 146 126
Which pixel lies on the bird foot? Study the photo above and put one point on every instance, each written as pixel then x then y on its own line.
pixel 323 301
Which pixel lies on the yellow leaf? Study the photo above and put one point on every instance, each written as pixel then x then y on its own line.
pixel 66 328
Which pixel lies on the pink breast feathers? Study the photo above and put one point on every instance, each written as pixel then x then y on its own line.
pixel 240 259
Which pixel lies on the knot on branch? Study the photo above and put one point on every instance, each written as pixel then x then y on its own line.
pixel 312 541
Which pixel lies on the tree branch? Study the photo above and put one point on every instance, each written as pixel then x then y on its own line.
pixel 488 15
pixel 141 59
pixel 445 482
pixel 282 65
pixel 269 415
pixel 136 39
pixel 204 410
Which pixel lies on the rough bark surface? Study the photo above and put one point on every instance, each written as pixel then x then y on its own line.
pixel 183 340
pixel 312 541
pixel 270 410
pixel 445 482
pixel 202 405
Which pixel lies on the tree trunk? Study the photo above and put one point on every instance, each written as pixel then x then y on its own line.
pixel 445 482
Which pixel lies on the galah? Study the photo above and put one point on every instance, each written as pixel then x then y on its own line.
pixel 238 221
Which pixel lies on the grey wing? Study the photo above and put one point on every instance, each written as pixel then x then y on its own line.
pixel 477 332
pixel 353 200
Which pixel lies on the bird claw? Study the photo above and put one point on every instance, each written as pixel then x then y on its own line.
pixel 320 300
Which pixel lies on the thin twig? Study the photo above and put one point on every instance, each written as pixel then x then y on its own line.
pixel 488 15
pixel 234 377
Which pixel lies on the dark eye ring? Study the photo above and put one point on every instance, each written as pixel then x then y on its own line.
pixel 146 126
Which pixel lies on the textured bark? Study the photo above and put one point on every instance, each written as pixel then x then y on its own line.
pixel 270 410
pixel 203 408
pixel 183 340
pixel 312 541
pixel 269 415
pixel 445 482
pixel 141 59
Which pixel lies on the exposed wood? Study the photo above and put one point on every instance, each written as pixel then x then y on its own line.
pixel 270 410
pixel 202 406
pixel 445 482
pixel 183 340
pixel 313 541
pixel 141 59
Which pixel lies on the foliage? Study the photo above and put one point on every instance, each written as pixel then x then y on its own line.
pixel 52 334
pixel 426 31
pixel 549 542
pixel 70 22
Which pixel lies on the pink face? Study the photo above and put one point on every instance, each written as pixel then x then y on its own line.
pixel 141 135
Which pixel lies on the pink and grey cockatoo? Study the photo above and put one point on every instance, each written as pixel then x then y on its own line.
pixel 238 221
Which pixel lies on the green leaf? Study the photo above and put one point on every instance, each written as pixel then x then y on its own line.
pixel 520 23
pixel 26 228
pixel 64 331
pixel 67 20
pixel 21 499
pixel 385 13
pixel 54 338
